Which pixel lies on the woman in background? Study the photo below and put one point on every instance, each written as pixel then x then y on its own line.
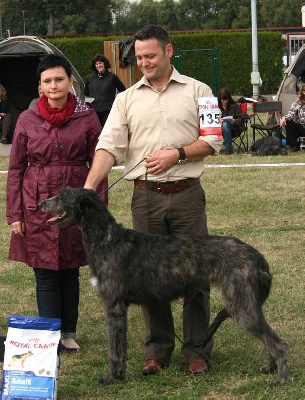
pixel 231 118
pixel 102 85
pixel 295 121
pixel 53 147
pixel 5 116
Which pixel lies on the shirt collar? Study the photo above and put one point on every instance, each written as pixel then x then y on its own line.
pixel 175 76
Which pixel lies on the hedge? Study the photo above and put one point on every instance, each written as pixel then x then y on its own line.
pixel 233 49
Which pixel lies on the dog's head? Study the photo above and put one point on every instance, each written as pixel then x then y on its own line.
pixel 70 204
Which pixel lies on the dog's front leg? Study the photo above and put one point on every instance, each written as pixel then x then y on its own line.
pixel 117 336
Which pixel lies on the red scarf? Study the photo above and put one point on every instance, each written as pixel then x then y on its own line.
pixel 56 116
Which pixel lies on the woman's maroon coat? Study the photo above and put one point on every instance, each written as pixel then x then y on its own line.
pixel 43 160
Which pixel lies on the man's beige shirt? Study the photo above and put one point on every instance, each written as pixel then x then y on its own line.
pixel 143 120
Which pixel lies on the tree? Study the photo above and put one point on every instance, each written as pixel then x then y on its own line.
pixel 58 17
pixel 279 13
pixel 95 16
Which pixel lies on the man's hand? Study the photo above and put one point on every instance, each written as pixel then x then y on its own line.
pixel 161 160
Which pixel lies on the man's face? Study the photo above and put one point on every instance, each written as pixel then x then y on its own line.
pixel 152 59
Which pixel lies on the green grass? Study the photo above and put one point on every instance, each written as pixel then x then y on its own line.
pixel 263 206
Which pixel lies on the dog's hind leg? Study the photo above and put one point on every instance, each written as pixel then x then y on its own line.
pixel 277 349
pixel 117 336
pixel 252 320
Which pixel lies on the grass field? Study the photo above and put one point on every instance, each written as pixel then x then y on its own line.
pixel 262 205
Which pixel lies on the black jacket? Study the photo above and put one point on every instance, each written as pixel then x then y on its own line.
pixel 5 107
pixel 103 88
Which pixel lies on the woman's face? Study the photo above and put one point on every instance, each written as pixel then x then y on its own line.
pixel 224 101
pixel 55 85
pixel 100 66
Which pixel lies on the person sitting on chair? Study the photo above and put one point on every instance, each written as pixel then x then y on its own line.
pixel 5 116
pixel 295 121
pixel 231 127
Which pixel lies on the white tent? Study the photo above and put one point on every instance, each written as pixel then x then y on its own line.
pixel 294 76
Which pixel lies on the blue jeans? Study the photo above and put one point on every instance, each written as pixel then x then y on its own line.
pixel 57 294
pixel 228 131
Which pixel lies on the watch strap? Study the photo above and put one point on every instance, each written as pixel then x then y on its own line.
pixel 182 155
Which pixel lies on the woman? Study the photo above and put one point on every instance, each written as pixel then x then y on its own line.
pixel 295 121
pixel 5 116
pixel 53 144
pixel 102 85
pixel 231 118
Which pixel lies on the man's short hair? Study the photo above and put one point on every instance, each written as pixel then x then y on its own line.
pixel 153 32
pixel 53 61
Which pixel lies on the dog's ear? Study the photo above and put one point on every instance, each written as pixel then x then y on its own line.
pixel 89 201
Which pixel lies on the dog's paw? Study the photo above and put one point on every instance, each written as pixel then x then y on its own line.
pixel 110 380
pixel 267 370
pixel 278 383
pixel 106 381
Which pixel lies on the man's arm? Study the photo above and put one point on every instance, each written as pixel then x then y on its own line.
pixel 102 163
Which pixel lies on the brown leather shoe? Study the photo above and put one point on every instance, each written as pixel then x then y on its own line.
pixel 152 367
pixel 198 366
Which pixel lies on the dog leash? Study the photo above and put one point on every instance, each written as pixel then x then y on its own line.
pixel 122 177
pixel 220 317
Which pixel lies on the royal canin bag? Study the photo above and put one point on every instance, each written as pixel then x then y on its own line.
pixel 31 358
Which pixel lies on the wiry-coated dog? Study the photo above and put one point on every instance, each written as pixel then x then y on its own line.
pixel 268 146
pixel 132 267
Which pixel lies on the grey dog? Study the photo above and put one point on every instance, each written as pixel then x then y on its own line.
pixel 132 267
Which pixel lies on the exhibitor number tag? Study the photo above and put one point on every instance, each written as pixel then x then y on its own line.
pixel 209 115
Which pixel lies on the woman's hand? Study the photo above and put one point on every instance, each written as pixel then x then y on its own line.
pixel 282 121
pixel 18 228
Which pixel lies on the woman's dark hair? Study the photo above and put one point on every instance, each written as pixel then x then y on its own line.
pixel 102 58
pixel 153 32
pixel 225 94
pixel 53 61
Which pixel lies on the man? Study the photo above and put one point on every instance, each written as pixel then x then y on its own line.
pixel 155 125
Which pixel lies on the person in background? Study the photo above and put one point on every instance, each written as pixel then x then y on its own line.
pixel 155 126
pixel 103 86
pixel 295 121
pixel 34 101
pixel 5 117
pixel 231 127
pixel 53 147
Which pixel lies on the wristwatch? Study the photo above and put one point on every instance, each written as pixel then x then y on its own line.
pixel 182 156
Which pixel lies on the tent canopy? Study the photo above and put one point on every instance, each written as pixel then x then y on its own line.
pixel 19 58
pixel 294 76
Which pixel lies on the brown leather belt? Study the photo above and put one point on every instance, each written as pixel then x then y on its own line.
pixel 166 187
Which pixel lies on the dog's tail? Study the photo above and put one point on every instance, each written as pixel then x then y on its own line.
pixel 220 317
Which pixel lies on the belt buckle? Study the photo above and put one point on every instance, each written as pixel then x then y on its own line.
pixel 159 190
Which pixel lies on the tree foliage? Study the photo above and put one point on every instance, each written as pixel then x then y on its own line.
pixel 41 17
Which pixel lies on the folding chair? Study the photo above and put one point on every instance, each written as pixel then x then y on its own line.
pixel 241 140
pixel 266 117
